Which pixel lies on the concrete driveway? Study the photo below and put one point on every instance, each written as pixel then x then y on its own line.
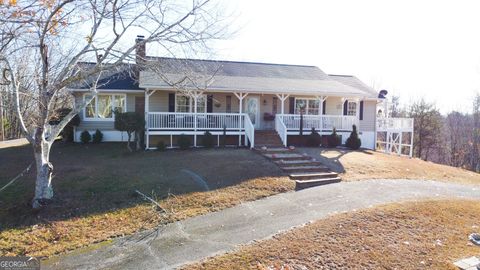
pixel 199 237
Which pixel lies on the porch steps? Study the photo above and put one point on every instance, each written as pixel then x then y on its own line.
pixel 301 184
pixel 305 171
pixel 305 168
pixel 268 138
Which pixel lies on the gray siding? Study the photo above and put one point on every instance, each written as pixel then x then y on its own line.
pixel 369 116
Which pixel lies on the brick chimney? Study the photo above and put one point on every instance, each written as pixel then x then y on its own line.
pixel 140 51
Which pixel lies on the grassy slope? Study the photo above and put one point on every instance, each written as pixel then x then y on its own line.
pixel 358 165
pixel 95 197
pixel 413 235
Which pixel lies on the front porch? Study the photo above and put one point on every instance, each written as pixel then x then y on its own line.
pixel 172 113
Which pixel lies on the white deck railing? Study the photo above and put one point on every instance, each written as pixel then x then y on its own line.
pixel 249 131
pixel 281 129
pixel 319 122
pixel 186 121
pixel 394 124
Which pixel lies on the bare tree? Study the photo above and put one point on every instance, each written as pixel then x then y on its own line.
pixel 44 42
pixel 475 146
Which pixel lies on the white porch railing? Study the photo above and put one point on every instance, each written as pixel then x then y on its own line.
pixel 186 121
pixel 281 128
pixel 394 124
pixel 249 131
pixel 319 122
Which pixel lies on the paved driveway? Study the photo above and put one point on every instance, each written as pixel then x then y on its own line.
pixel 197 238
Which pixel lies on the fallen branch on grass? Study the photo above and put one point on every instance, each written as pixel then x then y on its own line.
pixel 17 177
pixel 145 197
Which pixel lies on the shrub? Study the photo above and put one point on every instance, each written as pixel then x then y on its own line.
pixel 353 142
pixel 184 142
pixel 208 140
pixel 130 122
pixel 97 137
pixel 314 139
pixel 334 139
pixel 161 146
pixel 85 137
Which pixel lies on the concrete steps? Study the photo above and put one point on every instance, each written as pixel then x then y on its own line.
pixel 301 168
pixel 301 184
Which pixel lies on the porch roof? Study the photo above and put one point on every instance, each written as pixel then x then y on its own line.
pixel 219 83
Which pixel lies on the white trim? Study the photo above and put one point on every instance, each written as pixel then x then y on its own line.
pixel 85 118
pixel 139 91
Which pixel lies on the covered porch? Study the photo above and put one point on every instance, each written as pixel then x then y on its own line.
pixel 171 113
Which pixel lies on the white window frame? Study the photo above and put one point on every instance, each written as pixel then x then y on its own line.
pixel 191 109
pixel 308 103
pixel 350 110
pixel 96 118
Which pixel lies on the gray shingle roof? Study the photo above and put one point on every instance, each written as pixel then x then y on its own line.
pixel 248 77
pixel 353 81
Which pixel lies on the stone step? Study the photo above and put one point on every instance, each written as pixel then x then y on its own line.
pixel 300 169
pixel 286 156
pixel 275 149
pixel 310 176
pixel 301 184
pixel 306 162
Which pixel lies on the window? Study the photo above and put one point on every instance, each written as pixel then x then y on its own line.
pixel 228 107
pixel 103 106
pixel 352 108
pixel 274 105
pixel 185 104
pixel 309 106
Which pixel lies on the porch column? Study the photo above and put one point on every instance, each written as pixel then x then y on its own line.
pixel 282 98
pixel 196 95
pixel 240 97
pixel 321 99
pixel 148 93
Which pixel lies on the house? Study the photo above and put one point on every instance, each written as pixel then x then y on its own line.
pixel 239 99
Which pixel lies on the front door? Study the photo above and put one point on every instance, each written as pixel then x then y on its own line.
pixel 253 111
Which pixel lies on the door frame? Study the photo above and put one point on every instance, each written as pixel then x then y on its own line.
pixel 257 116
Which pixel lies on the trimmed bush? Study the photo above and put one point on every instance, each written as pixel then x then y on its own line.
pixel 85 137
pixel 208 140
pixel 353 142
pixel 184 142
pixel 161 146
pixel 130 122
pixel 334 139
pixel 97 137
pixel 314 139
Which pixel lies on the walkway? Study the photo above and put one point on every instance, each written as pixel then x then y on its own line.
pixel 199 237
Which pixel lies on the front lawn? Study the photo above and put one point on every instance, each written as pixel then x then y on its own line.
pixel 95 197
pixel 412 235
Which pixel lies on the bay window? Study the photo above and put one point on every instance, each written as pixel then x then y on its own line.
pixel 103 106
pixel 185 104
pixel 310 106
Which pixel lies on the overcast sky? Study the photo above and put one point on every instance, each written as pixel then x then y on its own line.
pixel 414 49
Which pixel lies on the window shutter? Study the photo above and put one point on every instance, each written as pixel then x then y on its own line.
pixel 209 103
pixel 361 110
pixel 291 109
pixel 171 102
pixel 324 106
pixel 345 107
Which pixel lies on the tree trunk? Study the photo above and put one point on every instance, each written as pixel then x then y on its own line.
pixel 43 183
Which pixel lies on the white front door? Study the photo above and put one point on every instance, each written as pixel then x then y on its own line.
pixel 253 111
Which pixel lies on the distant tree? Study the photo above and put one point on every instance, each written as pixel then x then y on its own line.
pixel 458 138
pixel 428 128
pixel 475 149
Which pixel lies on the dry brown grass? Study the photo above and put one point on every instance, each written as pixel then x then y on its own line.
pixel 95 199
pixel 359 165
pixel 411 235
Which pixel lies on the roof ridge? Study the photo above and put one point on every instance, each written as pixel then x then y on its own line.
pixel 341 75
pixel 231 61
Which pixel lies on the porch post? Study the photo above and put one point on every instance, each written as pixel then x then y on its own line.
pixel 195 119
pixel 240 97
pixel 282 98
pixel 147 124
